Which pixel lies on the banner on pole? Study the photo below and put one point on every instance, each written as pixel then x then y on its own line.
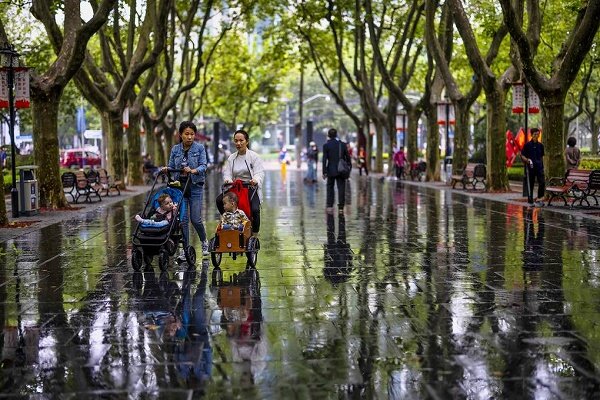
pixel 22 87
pixel 3 88
pixel 518 95
pixel 126 118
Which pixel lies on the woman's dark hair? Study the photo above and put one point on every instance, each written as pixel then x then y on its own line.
pixel 187 124
pixel 571 141
pixel 243 132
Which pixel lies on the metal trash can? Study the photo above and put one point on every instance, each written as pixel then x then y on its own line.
pixel 28 190
pixel 448 169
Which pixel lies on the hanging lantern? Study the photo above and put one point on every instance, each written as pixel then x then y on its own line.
pixel 533 101
pixel 126 118
pixel 401 122
pixel 372 129
pixel 3 88
pixel 518 94
pixel 22 87
pixel 442 108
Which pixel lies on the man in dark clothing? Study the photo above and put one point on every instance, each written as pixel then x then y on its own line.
pixel 533 158
pixel 332 150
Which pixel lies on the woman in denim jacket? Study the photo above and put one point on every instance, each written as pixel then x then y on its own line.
pixel 190 157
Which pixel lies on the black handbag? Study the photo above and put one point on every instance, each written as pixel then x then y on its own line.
pixel 344 166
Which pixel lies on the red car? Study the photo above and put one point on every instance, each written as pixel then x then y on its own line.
pixel 72 158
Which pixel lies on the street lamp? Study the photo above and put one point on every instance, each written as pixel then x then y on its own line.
pixel 8 57
pixel 309 122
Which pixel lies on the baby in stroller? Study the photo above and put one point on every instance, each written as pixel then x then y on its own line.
pixel 233 218
pixel 159 230
pixel 163 214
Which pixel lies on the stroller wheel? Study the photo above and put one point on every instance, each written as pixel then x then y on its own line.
pixel 137 259
pixel 190 257
pixel 216 259
pixel 163 259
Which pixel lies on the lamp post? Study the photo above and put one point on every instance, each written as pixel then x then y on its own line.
pixel 8 56
pixel 309 122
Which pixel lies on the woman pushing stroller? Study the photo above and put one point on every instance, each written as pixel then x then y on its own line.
pixel 247 166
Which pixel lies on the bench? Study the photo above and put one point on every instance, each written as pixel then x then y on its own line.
pixel 69 184
pixel 107 183
pixel 572 186
pixel 473 174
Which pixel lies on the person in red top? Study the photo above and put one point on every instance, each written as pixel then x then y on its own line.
pixel 362 161
pixel 399 162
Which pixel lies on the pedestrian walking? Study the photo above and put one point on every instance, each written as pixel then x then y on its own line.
pixel 3 156
pixel 312 158
pixel 247 166
pixel 362 161
pixel 333 151
pixel 572 154
pixel 190 157
pixel 533 158
pixel 399 162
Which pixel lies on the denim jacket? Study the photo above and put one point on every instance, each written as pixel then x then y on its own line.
pixel 196 160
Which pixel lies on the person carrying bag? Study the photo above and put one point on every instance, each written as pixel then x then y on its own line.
pixel 336 169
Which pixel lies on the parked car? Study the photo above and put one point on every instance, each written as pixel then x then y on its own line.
pixel 72 158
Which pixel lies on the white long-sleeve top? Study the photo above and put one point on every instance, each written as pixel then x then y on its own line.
pixel 245 167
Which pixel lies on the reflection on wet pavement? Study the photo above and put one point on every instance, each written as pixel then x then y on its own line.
pixel 412 293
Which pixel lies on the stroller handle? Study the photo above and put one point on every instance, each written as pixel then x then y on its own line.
pixel 227 186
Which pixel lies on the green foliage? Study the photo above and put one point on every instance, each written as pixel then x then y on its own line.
pixel 590 162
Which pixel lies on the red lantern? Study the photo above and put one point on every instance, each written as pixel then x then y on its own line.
pixel 3 88
pixel 22 87
pixel 442 106
pixel 518 97
pixel 533 101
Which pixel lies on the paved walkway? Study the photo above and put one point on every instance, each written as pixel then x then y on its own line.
pixel 415 292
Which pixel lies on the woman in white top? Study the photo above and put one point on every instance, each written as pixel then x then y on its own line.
pixel 247 166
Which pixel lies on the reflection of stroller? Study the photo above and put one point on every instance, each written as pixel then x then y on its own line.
pixel 162 241
pixel 232 241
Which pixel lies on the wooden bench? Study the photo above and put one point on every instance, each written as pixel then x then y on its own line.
pixel 573 186
pixel 473 174
pixel 107 183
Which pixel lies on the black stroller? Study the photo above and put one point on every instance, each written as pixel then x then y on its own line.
pixel 162 241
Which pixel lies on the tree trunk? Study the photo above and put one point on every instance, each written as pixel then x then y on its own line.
pixel 379 153
pixel 115 144
pixel 594 137
pixel 461 136
pixel 552 135
pixel 496 141
pixel 134 158
pixel 44 112
pixel 433 147
pixel 412 118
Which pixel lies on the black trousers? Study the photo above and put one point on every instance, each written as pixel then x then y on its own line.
pixel 254 208
pixel 536 174
pixel 341 187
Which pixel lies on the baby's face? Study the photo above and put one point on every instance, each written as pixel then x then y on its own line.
pixel 229 205
pixel 167 204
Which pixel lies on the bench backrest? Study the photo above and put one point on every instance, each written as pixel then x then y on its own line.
pixel 68 179
pixel 594 180
pixel 469 169
pixel 480 171
pixel 577 175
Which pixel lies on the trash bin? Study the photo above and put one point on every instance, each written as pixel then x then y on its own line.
pixel 448 168
pixel 28 190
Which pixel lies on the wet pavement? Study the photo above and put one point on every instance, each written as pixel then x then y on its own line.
pixel 414 292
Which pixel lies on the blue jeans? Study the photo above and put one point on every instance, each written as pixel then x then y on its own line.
pixel 193 211
pixel 312 171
